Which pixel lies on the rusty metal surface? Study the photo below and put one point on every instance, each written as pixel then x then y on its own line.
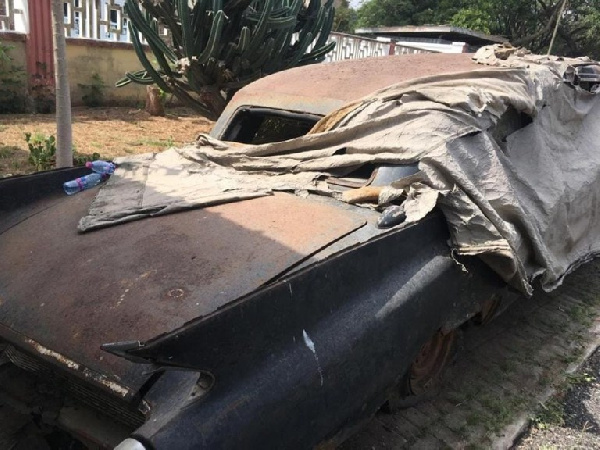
pixel 322 88
pixel 63 294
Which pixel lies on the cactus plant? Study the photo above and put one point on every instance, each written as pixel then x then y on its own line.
pixel 217 46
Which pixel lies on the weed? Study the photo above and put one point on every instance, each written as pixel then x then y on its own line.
pixel 79 159
pixel 549 414
pixel 473 419
pixel 42 151
pixel 93 93
pixel 5 152
pixel 581 315
pixel 576 379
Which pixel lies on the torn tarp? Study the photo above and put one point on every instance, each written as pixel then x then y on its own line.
pixel 509 152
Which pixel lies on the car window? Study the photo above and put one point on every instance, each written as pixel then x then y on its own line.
pixel 261 125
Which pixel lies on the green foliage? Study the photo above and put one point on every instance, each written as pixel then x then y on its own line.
pixel 528 24
pixel 13 90
pixel 386 13
pixel 42 152
pixel 472 18
pixel 79 159
pixel 93 93
pixel 218 46
pixel 377 13
pixel 345 17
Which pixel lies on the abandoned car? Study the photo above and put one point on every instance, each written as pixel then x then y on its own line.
pixel 270 314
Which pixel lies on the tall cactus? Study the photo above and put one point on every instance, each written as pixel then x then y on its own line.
pixel 217 46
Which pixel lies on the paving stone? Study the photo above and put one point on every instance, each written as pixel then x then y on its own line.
pixel 417 417
pixel 456 422
pixel 447 436
pixel 400 426
pixel 428 443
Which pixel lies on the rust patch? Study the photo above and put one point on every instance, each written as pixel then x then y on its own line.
pixel 116 283
pixel 175 293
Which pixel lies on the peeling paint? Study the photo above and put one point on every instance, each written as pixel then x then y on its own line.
pixel 101 379
pixel 55 355
pixel 311 346
pixel 115 387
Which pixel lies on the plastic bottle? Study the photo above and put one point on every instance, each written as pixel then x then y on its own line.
pixel 100 166
pixel 85 182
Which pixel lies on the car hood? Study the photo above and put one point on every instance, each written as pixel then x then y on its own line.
pixel 64 294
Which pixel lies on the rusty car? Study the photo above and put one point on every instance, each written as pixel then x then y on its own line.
pixel 277 322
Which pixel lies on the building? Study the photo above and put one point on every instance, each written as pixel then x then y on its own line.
pixel 438 38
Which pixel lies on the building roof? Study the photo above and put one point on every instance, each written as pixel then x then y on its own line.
pixel 442 32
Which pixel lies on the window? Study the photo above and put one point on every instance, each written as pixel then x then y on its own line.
pixel 262 125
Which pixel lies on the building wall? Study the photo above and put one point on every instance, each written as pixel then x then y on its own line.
pixel 110 60
pixel 17 53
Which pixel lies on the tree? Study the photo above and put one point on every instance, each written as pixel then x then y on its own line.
pixel 64 148
pixel 217 46
pixel 386 13
pixel 389 13
pixel 344 19
pixel 532 24
pixel 524 23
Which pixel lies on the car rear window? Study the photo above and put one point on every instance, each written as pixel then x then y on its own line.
pixel 260 126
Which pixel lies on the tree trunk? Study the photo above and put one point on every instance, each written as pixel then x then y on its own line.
pixel 154 105
pixel 64 148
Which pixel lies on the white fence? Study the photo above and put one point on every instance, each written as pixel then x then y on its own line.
pixel 348 46
pixel 105 20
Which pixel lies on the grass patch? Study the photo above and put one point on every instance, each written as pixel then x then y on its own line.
pixel 549 414
pixel 6 152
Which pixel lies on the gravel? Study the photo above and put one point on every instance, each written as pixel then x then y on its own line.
pixel 571 418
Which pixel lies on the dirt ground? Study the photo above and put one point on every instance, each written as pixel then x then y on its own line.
pixel 110 132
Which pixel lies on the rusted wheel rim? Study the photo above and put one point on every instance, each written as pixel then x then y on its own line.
pixel 489 310
pixel 428 366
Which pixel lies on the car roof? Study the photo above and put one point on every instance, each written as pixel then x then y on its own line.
pixel 321 88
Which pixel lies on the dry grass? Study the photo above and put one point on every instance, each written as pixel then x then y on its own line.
pixel 110 132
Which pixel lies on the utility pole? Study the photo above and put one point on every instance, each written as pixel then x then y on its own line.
pixel 64 149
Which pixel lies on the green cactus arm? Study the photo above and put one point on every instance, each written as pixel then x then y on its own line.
pixel 137 46
pixel 139 77
pixel 317 55
pixel 166 12
pixel 199 24
pixel 265 54
pixel 324 27
pixel 300 50
pixel 138 19
pixel 187 31
pixel 215 33
pixel 244 40
pixel 260 30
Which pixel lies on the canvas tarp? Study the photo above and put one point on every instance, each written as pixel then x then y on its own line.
pixel 528 203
